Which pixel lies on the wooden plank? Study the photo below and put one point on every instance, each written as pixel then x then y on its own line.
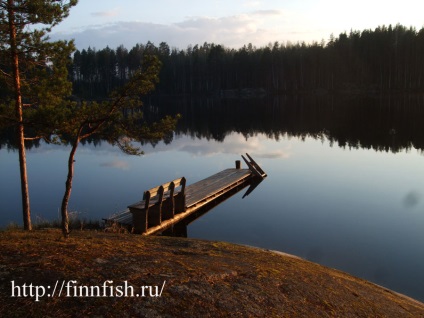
pixel 213 183
pixel 208 187
pixel 223 176
pixel 201 193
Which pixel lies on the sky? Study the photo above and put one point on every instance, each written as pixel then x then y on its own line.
pixel 232 23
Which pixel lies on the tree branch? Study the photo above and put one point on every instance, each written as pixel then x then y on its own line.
pixel 34 138
pixel 6 74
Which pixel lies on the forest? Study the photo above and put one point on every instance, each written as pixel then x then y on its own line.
pixel 387 59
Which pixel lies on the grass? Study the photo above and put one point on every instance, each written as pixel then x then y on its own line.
pixel 75 223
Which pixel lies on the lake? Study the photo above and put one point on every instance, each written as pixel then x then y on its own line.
pixel 344 186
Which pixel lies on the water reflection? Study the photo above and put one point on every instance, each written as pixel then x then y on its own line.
pixel 384 123
pixel 180 229
pixel 118 164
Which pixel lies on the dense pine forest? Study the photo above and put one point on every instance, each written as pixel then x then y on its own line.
pixel 387 59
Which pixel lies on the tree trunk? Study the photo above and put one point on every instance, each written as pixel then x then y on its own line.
pixel 19 117
pixel 68 189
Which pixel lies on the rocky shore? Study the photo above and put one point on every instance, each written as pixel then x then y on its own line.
pixel 101 274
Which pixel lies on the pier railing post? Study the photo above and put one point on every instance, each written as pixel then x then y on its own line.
pixel 171 199
pixel 238 164
pixel 155 215
pixel 168 204
pixel 180 198
pixel 141 216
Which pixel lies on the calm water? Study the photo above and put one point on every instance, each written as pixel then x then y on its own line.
pixel 339 191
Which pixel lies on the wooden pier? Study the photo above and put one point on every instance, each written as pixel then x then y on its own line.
pixel 170 203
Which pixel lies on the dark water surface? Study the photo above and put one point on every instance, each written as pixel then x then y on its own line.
pixel 345 184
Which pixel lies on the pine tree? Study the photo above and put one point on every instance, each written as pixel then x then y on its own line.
pixel 32 69
pixel 118 120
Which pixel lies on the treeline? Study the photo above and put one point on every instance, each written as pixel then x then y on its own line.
pixel 386 59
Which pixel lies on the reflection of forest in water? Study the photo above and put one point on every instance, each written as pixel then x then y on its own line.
pixel 382 123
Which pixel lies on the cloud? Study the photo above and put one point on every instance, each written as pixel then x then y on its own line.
pixel 235 143
pixel 252 3
pixel 231 31
pixel 267 13
pixel 276 154
pixel 107 14
pixel 257 22
pixel 118 164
